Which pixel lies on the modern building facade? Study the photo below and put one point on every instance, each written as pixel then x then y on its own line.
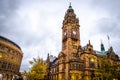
pixel 75 62
pixel 10 58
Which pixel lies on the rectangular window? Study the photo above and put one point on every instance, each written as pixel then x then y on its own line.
pixel 9 66
pixel 92 65
pixel 77 66
pixel 71 66
pixel 4 65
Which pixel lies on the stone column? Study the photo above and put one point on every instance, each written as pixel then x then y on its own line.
pixel 4 77
pixel 67 72
pixel 10 77
pixel 7 77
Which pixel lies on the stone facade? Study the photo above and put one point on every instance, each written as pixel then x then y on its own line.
pixel 10 58
pixel 75 62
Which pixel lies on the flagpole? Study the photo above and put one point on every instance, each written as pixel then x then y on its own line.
pixel 108 40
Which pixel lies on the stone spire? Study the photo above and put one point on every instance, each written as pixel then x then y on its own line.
pixel 48 59
pixel 70 7
pixel 70 16
pixel 89 42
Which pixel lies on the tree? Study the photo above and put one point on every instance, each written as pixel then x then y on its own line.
pixel 38 69
pixel 107 70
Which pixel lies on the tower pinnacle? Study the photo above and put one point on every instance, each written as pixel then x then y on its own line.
pixel 89 42
pixel 70 5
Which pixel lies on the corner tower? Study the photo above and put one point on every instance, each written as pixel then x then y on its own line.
pixel 102 48
pixel 70 33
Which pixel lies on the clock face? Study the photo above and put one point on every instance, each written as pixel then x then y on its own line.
pixel 65 33
pixel 74 32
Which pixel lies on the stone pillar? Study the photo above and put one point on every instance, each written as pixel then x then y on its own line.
pixel 7 77
pixel 10 77
pixel 67 72
pixel 4 77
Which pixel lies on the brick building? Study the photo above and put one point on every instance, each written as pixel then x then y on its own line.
pixel 75 62
pixel 10 58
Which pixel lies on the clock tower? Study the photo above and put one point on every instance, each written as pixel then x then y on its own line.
pixel 70 33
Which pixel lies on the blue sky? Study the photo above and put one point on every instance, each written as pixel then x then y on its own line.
pixel 35 25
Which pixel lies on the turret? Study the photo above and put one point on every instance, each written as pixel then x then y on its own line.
pixel 102 48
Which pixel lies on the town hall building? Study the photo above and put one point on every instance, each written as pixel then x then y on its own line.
pixel 76 62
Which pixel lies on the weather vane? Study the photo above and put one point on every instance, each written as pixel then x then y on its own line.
pixel 69 2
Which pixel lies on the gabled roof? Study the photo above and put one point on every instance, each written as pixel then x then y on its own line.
pixel 52 58
pixel 61 54
pixel 99 53
pixel 84 48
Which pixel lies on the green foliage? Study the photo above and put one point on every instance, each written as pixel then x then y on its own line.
pixel 38 69
pixel 107 70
